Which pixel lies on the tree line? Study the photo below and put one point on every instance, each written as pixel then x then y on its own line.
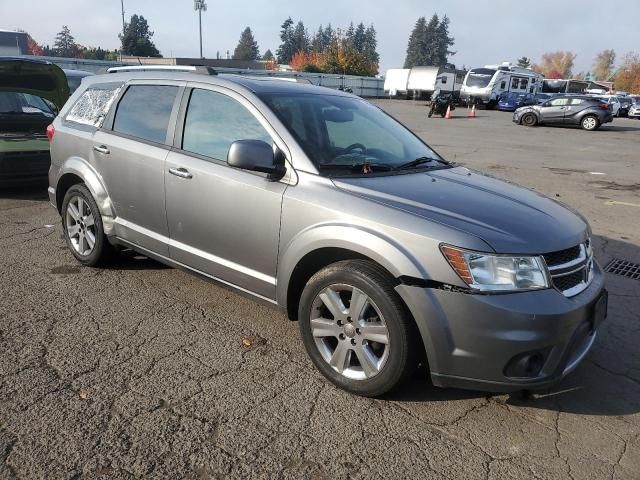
pixel 560 64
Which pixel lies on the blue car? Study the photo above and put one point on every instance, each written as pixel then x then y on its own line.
pixel 513 100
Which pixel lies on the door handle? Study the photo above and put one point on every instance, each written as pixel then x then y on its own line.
pixel 180 172
pixel 101 149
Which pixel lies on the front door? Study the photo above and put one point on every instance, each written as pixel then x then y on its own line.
pixel 223 221
pixel 130 155
pixel 554 110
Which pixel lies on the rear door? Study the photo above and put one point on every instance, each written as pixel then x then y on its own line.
pixel 574 109
pixel 223 221
pixel 554 110
pixel 130 154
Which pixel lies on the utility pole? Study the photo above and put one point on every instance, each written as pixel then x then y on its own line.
pixel 200 6
pixel 122 7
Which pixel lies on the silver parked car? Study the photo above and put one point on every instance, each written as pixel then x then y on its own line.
pixel 588 112
pixel 320 203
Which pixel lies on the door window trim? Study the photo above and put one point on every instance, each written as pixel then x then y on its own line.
pixel 107 125
pixel 290 177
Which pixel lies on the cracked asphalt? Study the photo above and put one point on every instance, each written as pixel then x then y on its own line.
pixel 141 371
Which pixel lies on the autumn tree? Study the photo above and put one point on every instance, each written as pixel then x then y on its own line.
pixel 628 76
pixel 136 38
pixel 33 47
pixel 603 65
pixel 247 48
pixel 556 64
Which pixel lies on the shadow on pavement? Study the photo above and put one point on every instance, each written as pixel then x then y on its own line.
pixel 31 190
pixel 130 260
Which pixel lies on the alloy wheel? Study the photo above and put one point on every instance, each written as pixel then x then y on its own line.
pixel 589 123
pixel 349 331
pixel 80 225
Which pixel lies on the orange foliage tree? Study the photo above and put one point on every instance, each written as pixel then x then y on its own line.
pixel 628 77
pixel 556 64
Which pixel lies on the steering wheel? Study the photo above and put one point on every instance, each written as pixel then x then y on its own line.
pixel 353 146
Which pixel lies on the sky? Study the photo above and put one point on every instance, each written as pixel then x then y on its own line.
pixel 485 31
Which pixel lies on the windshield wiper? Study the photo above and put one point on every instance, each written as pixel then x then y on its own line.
pixel 419 161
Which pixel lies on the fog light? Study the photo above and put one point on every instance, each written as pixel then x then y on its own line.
pixel 525 365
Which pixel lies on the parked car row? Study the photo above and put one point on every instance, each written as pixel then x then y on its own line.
pixel 620 104
pixel 25 114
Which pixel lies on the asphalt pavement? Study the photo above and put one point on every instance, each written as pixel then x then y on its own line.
pixel 139 370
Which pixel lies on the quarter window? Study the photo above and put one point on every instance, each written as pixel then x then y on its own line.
pixel 214 121
pixel 93 105
pixel 144 111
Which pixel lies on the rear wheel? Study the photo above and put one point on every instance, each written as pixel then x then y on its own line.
pixel 590 122
pixel 529 120
pixel 356 329
pixel 83 229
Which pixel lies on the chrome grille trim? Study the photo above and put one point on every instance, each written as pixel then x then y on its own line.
pixel 583 262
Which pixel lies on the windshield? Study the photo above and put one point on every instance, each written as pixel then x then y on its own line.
pixel 344 135
pixel 480 77
pixel 13 102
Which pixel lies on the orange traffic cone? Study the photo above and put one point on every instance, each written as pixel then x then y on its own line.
pixel 472 113
pixel 448 114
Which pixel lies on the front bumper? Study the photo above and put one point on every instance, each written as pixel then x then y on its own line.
pixel 472 341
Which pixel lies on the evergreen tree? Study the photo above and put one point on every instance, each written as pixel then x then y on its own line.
pixel 359 38
pixel 329 33
pixel 285 50
pixel 524 62
pixel 65 45
pixel 300 40
pixel 371 46
pixel 268 56
pixel 442 41
pixel 429 42
pixel 247 48
pixel 416 44
pixel 349 34
pixel 136 39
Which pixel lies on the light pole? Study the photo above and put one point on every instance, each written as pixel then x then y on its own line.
pixel 122 43
pixel 200 6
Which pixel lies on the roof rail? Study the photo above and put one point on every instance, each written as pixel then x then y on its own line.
pixel 164 68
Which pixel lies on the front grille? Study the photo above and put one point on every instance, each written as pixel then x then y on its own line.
pixel 563 256
pixel 568 281
pixel 571 270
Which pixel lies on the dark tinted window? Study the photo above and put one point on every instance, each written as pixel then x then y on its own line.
pixel 144 111
pixel 214 121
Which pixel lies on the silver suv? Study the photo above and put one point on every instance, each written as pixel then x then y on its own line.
pixel 320 203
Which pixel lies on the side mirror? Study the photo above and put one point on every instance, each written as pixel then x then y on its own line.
pixel 257 156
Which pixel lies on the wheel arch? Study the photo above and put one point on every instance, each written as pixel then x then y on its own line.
pixel 77 170
pixel 318 247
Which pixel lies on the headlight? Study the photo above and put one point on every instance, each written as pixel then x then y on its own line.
pixel 486 272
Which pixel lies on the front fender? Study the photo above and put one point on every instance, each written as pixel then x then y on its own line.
pixel 369 243
pixel 83 169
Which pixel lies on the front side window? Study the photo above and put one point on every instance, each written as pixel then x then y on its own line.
pixel 524 83
pixel 93 105
pixel 214 121
pixel 559 102
pixel 343 135
pixel 144 111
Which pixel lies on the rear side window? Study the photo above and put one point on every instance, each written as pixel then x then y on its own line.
pixel 144 111
pixel 93 105
pixel 577 101
pixel 214 121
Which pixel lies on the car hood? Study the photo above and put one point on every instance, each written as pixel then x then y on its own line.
pixel 36 77
pixel 510 218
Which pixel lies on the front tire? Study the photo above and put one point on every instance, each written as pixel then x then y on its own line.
pixel 356 328
pixel 83 228
pixel 529 120
pixel 590 123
